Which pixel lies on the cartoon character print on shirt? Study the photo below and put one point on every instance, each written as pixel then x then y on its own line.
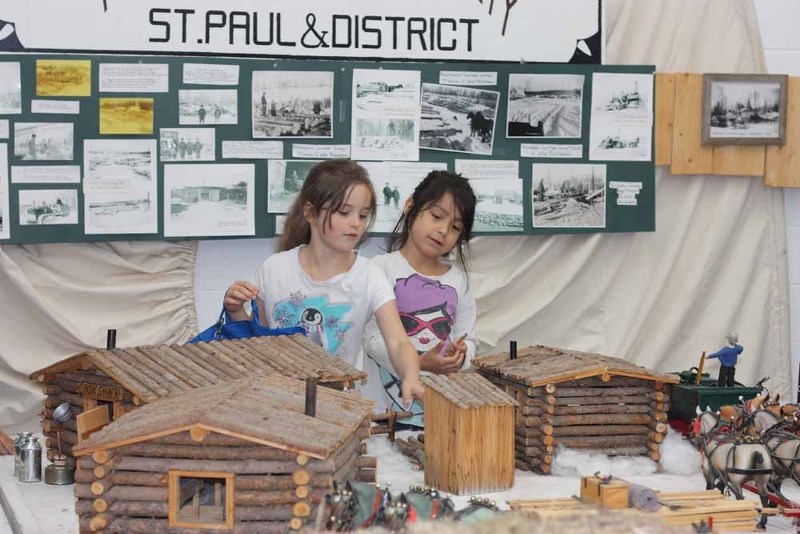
pixel 321 319
pixel 428 311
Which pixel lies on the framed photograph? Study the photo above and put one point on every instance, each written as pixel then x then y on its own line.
pixel 744 109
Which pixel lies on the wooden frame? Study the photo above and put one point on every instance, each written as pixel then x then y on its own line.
pixel 739 109
pixel 174 478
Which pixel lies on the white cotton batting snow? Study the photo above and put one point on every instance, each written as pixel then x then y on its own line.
pixel 678 456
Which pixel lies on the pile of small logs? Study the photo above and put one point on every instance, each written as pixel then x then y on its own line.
pixel 386 422
pixel 414 449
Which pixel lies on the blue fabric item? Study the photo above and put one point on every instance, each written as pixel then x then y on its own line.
pixel 225 328
pixel 728 355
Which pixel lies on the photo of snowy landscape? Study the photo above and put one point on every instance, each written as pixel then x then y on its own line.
pixel 544 105
pixel 458 119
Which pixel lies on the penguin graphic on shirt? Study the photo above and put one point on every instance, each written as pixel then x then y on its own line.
pixel 312 320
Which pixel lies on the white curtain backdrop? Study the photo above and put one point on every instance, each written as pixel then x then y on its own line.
pixel 59 299
pixel 717 261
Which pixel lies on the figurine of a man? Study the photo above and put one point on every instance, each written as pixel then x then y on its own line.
pixel 728 355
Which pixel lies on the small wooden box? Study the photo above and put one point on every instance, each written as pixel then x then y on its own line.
pixel 612 494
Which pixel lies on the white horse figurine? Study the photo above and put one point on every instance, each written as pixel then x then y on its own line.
pixel 783 445
pixel 732 460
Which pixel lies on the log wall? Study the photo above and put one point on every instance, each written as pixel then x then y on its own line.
pixel 126 489
pixel 621 416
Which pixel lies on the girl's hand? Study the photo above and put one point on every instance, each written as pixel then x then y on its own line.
pixel 411 388
pixel 6 445
pixel 444 362
pixel 238 294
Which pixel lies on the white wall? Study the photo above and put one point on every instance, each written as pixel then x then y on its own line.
pixel 778 20
pixel 221 262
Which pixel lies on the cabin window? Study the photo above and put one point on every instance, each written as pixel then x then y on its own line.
pixel 200 499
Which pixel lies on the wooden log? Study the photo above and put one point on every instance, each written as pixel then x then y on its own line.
pixel 49 426
pixel 102 504
pixel 301 509
pixel 602 408
pixel 609 399
pixel 628 451
pixel 100 487
pixel 522 464
pixel 100 521
pixel 85 476
pixel 103 470
pixel 658 426
pixel 535 433
pixel 537 410
pixel 655 436
pixel 124 525
pixel 535 420
pixel 270 498
pixel 604 430
pixel 157 509
pixel 601 442
pixel 243 467
pixel 660 416
pixel 543 469
pixel 659 406
pixel 654 455
pixel 659 396
pixel 207 451
pixel 212 440
pixel 410 451
pixel 602 419
pixel 102 456
pixel 534 449
pixel 616 381
pixel 603 391
pixel 539 401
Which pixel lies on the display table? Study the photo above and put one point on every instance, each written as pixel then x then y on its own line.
pixel 41 508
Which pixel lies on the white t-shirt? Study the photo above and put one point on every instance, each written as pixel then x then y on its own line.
pixel 333 312
pixel 432 309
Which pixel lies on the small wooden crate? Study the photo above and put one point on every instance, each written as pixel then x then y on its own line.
pixel 612 494
pixel 469 434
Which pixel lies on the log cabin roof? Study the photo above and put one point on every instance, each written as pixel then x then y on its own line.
pixel 154 372
pixel 468 390
pixel 539 365
pixel 267 410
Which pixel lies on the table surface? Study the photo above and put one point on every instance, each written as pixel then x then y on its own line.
pixel 39 507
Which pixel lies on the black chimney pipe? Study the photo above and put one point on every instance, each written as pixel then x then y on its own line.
pixel 111 339
pixel 512 351
pixel 311 396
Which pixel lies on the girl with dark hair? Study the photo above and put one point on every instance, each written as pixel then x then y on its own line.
pixel 318 281
pixel 433 298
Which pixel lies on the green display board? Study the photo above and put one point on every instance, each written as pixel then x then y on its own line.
pixel 635 214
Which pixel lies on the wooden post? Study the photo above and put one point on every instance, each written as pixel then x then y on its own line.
pixel 700 368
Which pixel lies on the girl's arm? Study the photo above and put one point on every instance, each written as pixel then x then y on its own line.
pixel 402 354
pixel 466 324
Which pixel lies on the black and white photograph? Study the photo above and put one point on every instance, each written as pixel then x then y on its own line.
pixel 209 199
pixel 385 139
pixel 458 119
pixel 48 206
pixel 385 115
pixel 121 212
pixel 394 181
pixel 569 195
pixel 545 105
pixel 187 144
pixel 500 205
pixel 10 88
pixel 744 109
pixel 284 180
pixel 386 93
pixel 208 106
pixel 292 104
pixel 119 165
pixel 623 143
pixel 622 98
pixel 43 141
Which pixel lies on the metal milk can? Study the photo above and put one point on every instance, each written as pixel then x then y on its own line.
pixel 31 461
pixel 19 442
